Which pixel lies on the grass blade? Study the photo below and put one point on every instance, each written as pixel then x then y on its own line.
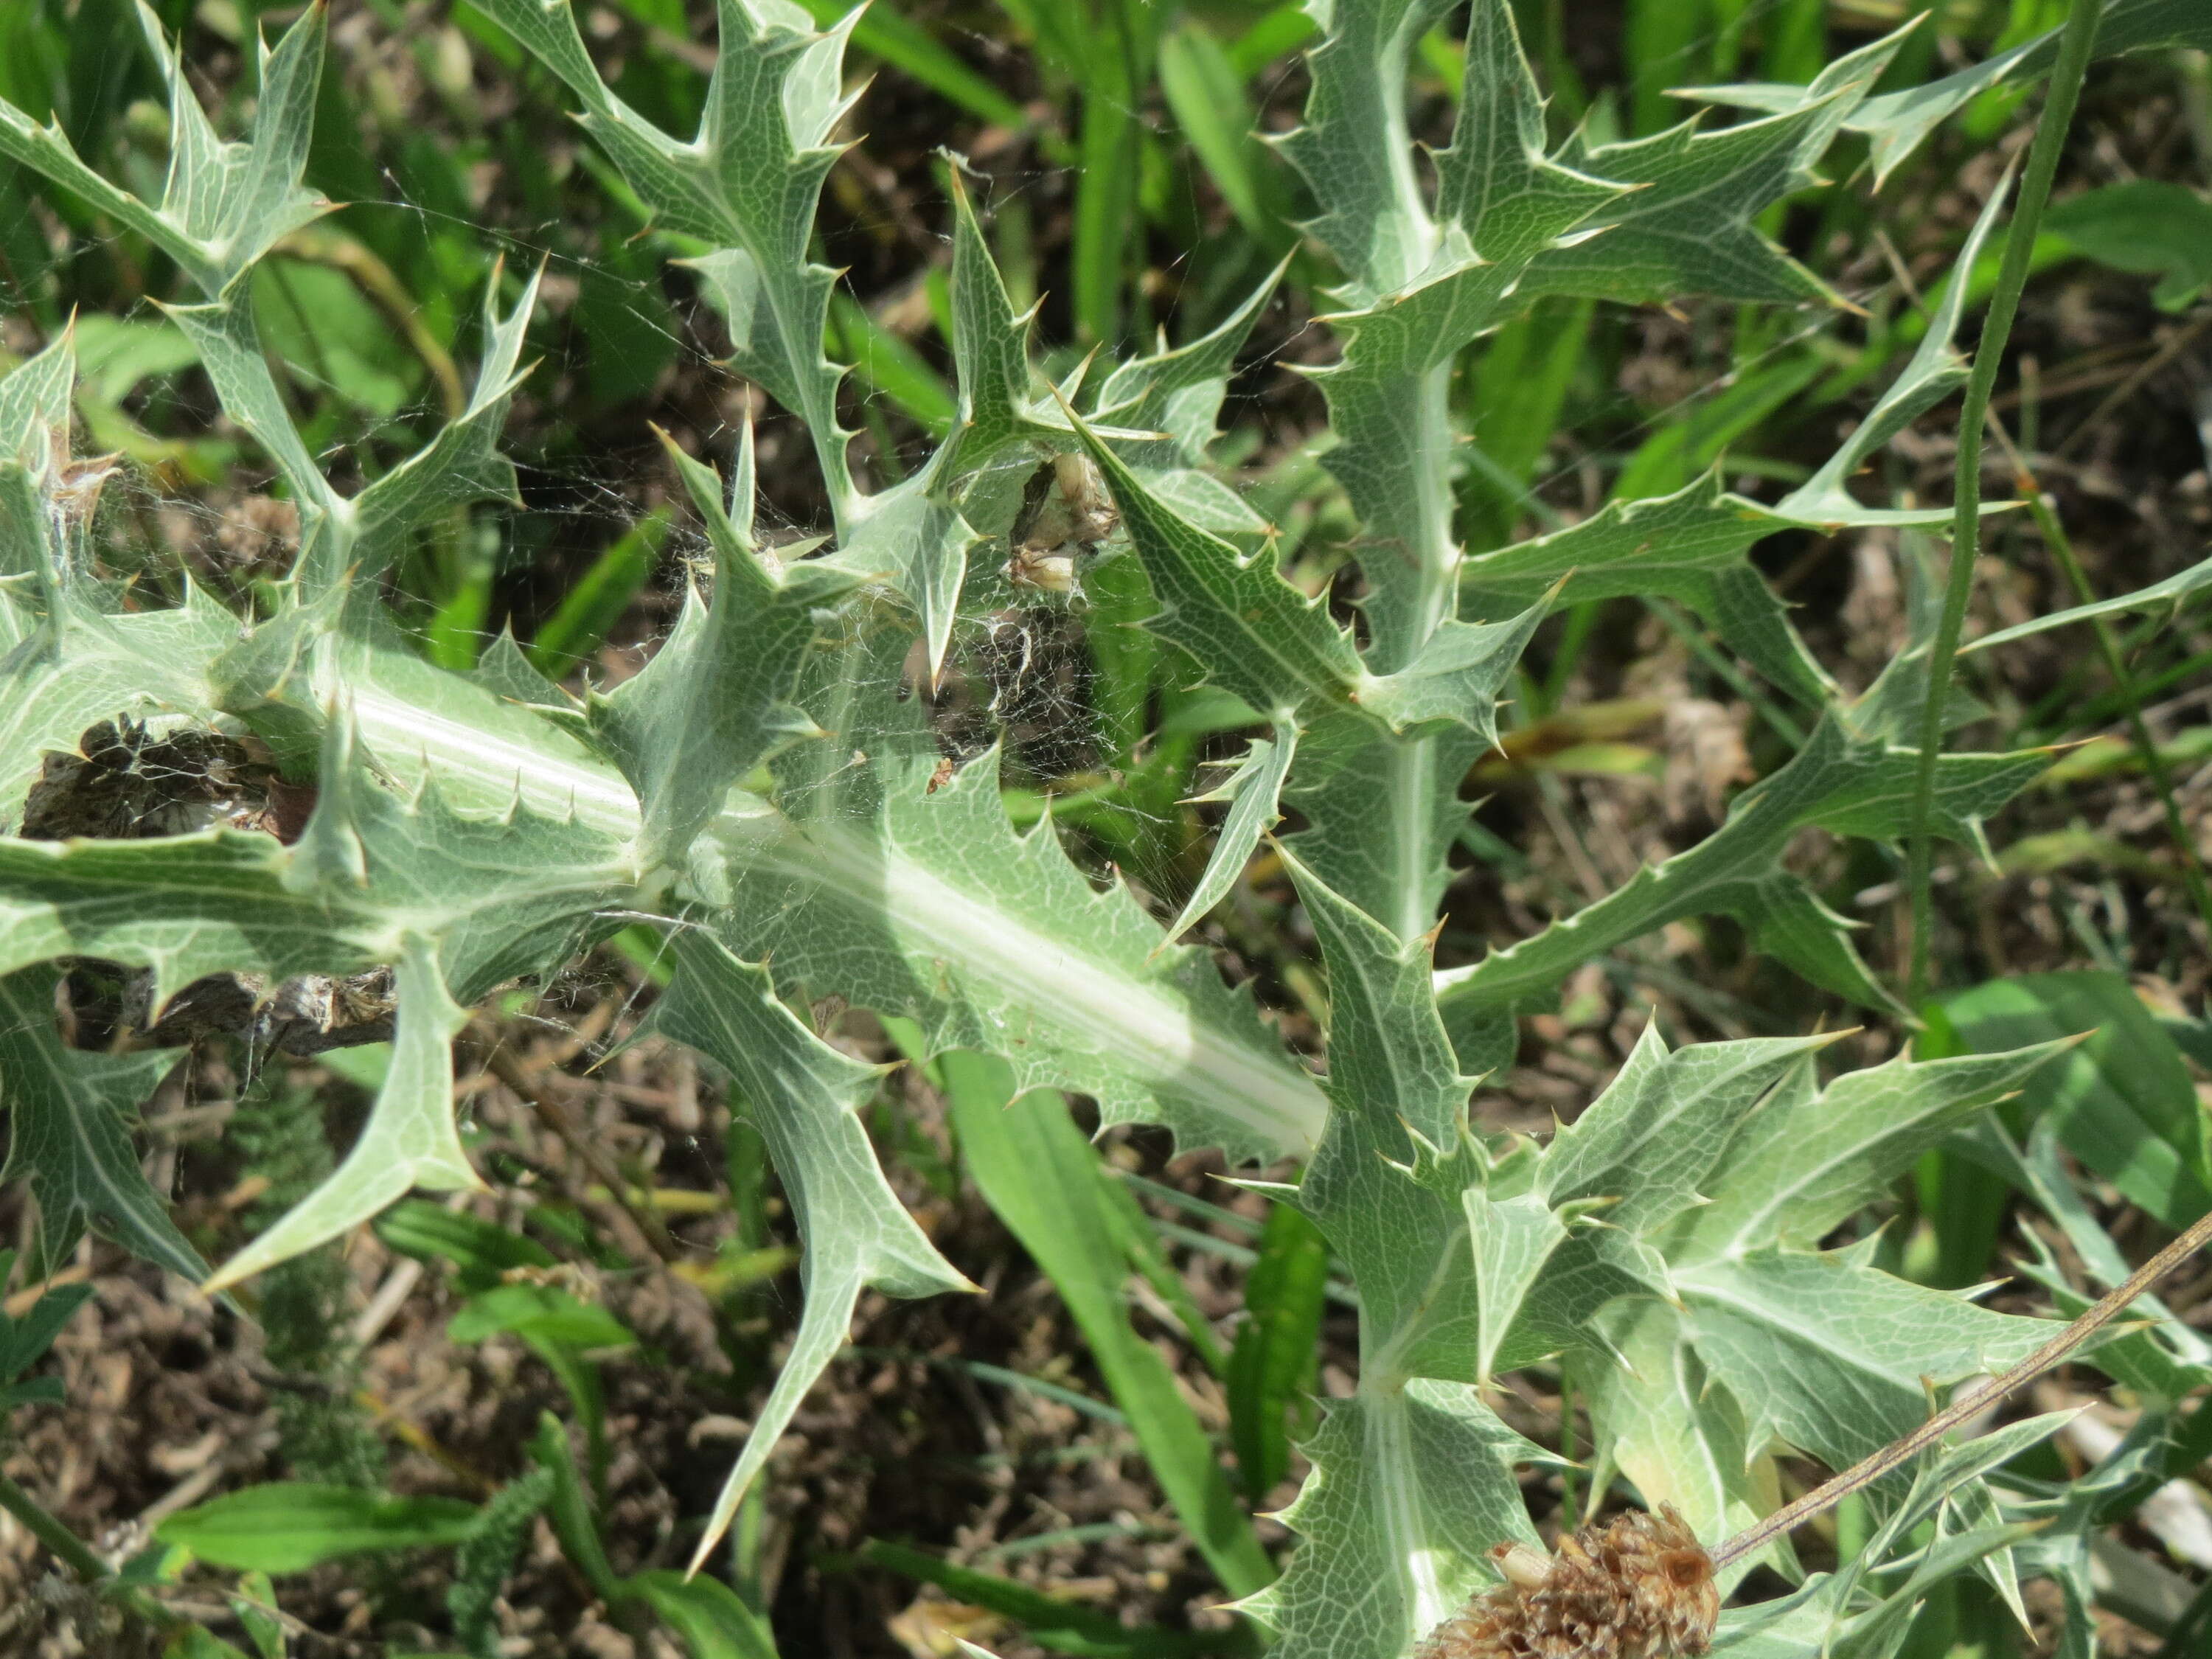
pixel 1042 1179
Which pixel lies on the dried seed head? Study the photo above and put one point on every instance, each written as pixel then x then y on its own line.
pixel 1638 1587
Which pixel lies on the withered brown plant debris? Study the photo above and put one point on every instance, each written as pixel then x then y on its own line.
pixel 1636 1587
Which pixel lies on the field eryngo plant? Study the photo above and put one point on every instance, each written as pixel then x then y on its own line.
pixel 354 842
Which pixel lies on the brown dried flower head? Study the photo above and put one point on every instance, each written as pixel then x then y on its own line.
pixel 1638 1587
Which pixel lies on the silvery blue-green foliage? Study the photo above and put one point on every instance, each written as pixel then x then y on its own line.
pixel 768 791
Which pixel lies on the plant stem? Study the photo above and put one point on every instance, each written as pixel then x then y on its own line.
pixel 77 1556
pixel 2074 48
pixel 1972 1404
pixel 72 1551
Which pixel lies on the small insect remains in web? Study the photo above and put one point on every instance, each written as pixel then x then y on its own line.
pixel 1066 511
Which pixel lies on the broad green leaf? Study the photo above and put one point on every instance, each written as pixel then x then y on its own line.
pixel 1041 1178
pixel 2152 227
pixel 288 1526
pixel 1512 1239
pixel 803 1096
pixel 714 1621
pixel 1206 95
pixel 483 1250
pixel 1254 792
pixel 714 701
pixel 2123 1102
pixel 410 1139
pixel 69 1116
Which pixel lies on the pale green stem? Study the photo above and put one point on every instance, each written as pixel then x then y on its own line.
pixel 1413 767
pixel 2066 76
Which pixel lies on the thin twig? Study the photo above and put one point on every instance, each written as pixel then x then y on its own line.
pixel 1972 1404
pixel 2065 87
pixel 554 1113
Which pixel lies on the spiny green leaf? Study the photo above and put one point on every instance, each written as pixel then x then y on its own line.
pixel 1354 148
pixel 803 1096
pixel 911 899
pixel 1494 180
pixel 1935 371
pixel 1251 632
pixel 1391 865
pixel 1897 122
pixel 462 465
pixel 223 205
pixel 1690 547
pixel 1816 1156
pixel 1457 676
pixel 1846 784
pixel 714 702
pixel 2157 596
pixel 922 901
pixel 1410 1489
pixel 747 183
pixel 1689 228
pixel 65 667
pixel 500 896
pixel 1254 792
pixel 409 1141
pixel 68 1115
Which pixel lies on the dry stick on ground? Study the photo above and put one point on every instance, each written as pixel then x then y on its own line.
pixel 1973 1403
